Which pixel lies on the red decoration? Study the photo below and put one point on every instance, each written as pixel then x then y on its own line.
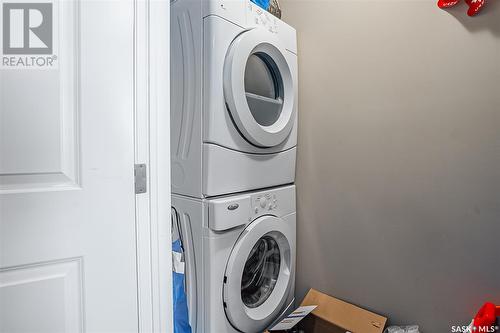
pixel 474 5
pixel 486 317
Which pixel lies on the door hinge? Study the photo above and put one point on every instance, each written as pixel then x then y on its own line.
pixel 141 178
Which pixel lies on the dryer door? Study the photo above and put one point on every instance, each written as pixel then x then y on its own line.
pixel 259 88
pixel 258 274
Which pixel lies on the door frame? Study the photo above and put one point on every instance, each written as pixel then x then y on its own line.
pixel 152 147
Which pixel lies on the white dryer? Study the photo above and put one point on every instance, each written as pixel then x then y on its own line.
pixel 234 98
pixel 240 259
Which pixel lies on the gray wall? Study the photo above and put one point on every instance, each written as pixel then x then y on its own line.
pixel 399 158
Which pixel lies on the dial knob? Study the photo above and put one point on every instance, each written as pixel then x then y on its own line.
pixel 263 202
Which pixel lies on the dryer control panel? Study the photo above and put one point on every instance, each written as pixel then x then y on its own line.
pixel 261 18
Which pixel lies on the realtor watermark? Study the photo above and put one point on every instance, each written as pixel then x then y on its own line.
pixel 28 35
pixel 470 329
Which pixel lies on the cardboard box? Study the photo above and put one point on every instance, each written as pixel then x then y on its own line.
pixel 335 316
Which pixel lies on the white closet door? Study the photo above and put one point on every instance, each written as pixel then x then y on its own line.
pixel 67 225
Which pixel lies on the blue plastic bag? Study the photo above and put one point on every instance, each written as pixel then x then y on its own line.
pixel 181 314
pixel 262 3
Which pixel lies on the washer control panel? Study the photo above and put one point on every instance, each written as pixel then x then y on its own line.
pixel 230 211
pixel 261 18
pixel 264 203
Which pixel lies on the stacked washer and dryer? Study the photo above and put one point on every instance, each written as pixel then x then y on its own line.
pixel 234 137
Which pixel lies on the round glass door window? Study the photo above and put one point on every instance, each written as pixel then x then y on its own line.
pixel 259 88
pixel 261 272
pixel 263 89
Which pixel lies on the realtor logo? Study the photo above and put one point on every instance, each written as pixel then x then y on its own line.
pixel 27 28
pixel 28 35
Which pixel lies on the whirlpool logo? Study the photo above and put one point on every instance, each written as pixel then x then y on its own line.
pixel 28 35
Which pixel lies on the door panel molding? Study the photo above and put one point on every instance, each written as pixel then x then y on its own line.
pixel 50 290
pixel 46 155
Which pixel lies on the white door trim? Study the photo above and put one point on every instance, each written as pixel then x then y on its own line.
pixel 152 119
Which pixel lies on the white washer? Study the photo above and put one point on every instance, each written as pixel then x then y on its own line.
pixel 234 98
pixel 240 259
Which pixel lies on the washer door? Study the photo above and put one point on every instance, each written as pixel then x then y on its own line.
pixel 259 88
pixel 258 275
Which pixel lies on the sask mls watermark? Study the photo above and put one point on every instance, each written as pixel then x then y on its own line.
pixel 472 329
pixel 28 35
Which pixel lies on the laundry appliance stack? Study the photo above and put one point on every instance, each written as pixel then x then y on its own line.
pixel 234 137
